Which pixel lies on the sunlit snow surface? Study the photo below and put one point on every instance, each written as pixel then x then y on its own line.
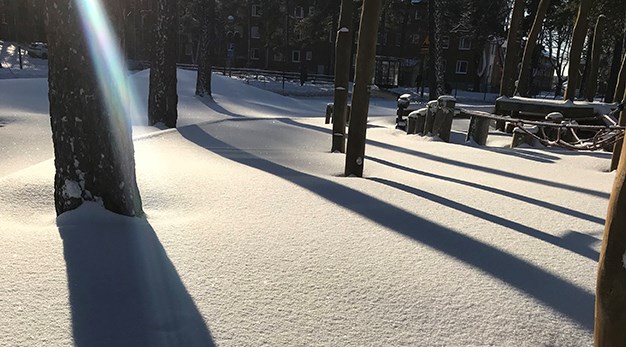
pixel 253 238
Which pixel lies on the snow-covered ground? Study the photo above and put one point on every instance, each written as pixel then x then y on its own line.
pixel 253 237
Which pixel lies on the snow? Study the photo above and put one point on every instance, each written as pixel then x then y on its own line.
pixel 253 237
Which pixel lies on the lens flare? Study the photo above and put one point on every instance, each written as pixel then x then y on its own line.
pixel 118 92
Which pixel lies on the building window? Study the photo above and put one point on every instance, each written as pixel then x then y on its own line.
pixel 309 55
pixel 256 10
pixel 415 39
pixel 254 32
pixel 298 12
pixel 461 67
pixel 295 56
pixel 278 56
pixel 465 43
pixel 298 35
pixel 254 54
pixel 311 10
pixel 445 42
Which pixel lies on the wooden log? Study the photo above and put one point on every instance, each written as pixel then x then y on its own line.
pixel 419 118
pixel 521 137
pixel 445 115
pixel 411 124
pixel 478 130
pixel 430 116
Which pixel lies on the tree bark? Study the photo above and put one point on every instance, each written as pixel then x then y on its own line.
pixel 432 53
pixel 621 82
pixel 163 99
pixel 610 314
pixel 93 148
pixel 507 84
pixel 578 41
pixel 615 65
pixel 531 44
pixel 365 64
pixel 342 76
pixel 592 78
pixel 205 57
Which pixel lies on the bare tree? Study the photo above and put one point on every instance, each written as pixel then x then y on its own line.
pixel 162 98
pixel 207 41
pixel 578 41
pixel 365 64
pixel 513 43
pixel 610 315
pixel 343 57
pixel 596 49
pixel 94 156
pixel 529 49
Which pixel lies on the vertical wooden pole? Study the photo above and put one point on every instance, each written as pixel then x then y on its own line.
pixel 524 74
pixel 507 84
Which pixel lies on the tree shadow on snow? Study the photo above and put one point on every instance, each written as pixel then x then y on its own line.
pixel 502 192
pixel 458 163
pixel 553 291
pixel 124 290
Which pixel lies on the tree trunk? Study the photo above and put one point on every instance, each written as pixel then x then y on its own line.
pixel 592 78
pixel 583 78
pixel 610 315
pixel 163 99
pixel 205 57
pixel 342 76
pixel 578 41
pixel 365 64
pixel 507 84
pixel 93 148
pixel 432 53
pixel 524 74
pixel 621 82
pixel 615 65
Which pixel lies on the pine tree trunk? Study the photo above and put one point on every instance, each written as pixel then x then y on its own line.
pixel 615 65
pixel 162 98
pixel 621 82
pixel 592 78
pixel 342 76
pixel 205 57
pixel 507 84
pixel 578 41
pixel 610 315
pixel 432 53
pixel 531 44
pixel 437 42
pixel 365 64
pixel 588 56
pixel 94 156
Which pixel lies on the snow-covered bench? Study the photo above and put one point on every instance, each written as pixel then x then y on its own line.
pixel 528 108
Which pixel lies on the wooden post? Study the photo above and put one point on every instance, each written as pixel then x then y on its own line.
pixel 621 82
pixel 610 314
pixel 520 137
pixel 445 114
pixel 431 111
pixel 365 63
pixel 592 79
pixel 478 130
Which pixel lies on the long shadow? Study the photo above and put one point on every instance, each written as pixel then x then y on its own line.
pixel 213 105
pixel 124 290
pixel 573 246
pixel 462 164
pixel 563 296
pixel 502 192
